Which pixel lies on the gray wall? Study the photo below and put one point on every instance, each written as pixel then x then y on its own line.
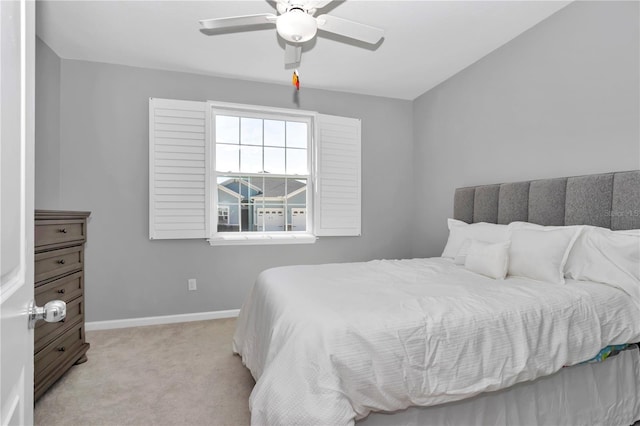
pixel 47 128
pixel 104 169
pixel 562 99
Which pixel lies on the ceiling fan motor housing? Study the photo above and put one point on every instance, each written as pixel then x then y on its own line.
pixel 296 25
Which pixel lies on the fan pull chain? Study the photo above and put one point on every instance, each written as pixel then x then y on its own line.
pixel 295 80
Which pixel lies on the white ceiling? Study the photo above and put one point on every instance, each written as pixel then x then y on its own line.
pixel 425 42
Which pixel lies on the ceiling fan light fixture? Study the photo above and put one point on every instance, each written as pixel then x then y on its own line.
pixel 296 26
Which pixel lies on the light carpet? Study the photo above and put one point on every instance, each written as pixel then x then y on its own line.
pixel 176 374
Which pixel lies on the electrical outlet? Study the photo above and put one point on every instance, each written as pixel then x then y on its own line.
pixel 192 284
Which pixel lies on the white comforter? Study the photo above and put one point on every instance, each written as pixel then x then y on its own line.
pixel 327 344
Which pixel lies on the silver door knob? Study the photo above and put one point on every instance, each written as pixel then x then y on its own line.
pixel 53 311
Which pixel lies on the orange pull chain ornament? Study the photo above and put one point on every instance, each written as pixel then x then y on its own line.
pixel 295 80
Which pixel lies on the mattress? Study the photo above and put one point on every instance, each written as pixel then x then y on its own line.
pixel 328 344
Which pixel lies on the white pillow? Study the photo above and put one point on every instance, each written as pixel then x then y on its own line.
pixel 462 253
pixel 529 225
pixel 489 259
pixel 541 253
pixel 610 257
pixel 460 231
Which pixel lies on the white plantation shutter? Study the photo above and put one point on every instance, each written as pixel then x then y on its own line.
pixel 337 201
pixel 178 191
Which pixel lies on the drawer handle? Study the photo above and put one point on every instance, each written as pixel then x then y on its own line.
pixel 61 349
pixel 61 261
pixel 63 230
pixel 61 291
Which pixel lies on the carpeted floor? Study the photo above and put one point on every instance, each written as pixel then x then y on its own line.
pixel 176 374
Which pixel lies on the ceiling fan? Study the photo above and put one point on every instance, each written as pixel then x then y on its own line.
pixel 296 24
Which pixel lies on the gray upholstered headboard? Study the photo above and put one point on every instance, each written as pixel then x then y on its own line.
pixel 609 200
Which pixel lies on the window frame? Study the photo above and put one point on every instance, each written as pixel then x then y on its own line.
pixel 264 113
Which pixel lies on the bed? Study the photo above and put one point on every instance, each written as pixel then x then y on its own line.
pixel 433 341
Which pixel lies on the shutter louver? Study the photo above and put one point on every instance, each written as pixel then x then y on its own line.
pixel 337 202
pixel 177 169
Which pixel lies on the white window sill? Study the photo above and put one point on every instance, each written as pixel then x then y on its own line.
pixel 261 239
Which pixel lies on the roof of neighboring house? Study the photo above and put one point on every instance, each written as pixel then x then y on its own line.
pixel 275 187
pixel 241 187
pixel 269 187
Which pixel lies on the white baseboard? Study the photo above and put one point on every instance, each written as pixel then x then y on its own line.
pixel 165 319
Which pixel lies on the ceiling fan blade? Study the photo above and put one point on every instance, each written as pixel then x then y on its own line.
pixel 292 55
pixel 238 21
pixel 317 4
pixel 346 28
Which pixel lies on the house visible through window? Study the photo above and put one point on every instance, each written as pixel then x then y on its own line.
pixel 262 172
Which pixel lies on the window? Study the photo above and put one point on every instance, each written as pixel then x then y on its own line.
pixel 261 170
pixel 223 216
pixel 241 174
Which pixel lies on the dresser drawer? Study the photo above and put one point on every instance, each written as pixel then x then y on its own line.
pixel 50 264
pixel 66 288
pixel 57 352
pixel 46 332
pixel 52 232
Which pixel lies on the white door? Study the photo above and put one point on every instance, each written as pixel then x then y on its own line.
pixel 299 219
pixel 270 219
pixel 17 47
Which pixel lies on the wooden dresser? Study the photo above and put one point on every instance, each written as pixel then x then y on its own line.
pixel 59 274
